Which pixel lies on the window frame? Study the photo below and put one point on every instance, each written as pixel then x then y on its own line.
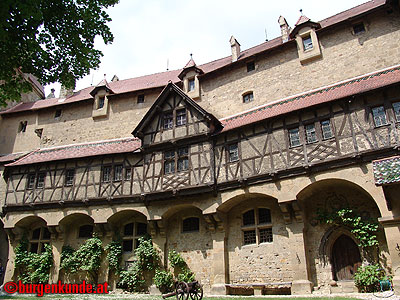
pixel 173 160
pixel 134 237
pixel 375 117
pixel 40 184
pixel 396 116
pixel 332 135
pixel 233 154
pixel 291 144
pixel 256 227
pixel 140 99
pixel 40 241
pixel 168 119
pixel 248 97
pixel 68 181
pixel 30 184
pixel 250 66
pixel 191 84
pixel 307 46
pixel 103 173
pixel 120 175
pixel 101 102
pixel 358 25
pixel 313 133
pixel 190 230
pixel 181 117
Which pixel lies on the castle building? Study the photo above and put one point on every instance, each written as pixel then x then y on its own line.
pixel 229 163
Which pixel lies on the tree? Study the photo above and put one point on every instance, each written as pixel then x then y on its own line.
pixel 50 39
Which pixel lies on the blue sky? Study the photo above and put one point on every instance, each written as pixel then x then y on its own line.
pixel 149 33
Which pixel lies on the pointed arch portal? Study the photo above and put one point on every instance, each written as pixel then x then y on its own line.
pixel 346 258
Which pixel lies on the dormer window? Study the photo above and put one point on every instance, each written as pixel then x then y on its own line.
pixel 168 120
pixel 358 28
pixel 100 104
pixel 248 97
pixel 191 85
pixel 307 43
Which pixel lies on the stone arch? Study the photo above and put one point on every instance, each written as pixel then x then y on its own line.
pixel 227 205
pixel 327 195
pixel 3 251
pixel 69 227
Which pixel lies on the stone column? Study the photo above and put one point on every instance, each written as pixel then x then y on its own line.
pixel 300 284
pixel 57 242
pixel 219 266
pixel 159 238
pixel 391 226
pixel 13 240
pixel 104 233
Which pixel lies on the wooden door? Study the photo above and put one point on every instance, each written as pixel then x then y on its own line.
pixel 346 258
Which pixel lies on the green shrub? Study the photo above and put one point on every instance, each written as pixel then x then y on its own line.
pixel 164 280
pixel 132 280
pixel 176 259
pixel 186 275
pixel 114 256
pixel 367 278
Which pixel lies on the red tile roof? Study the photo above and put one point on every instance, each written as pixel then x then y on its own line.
pixel 162 79
pixel 11 157
pixel 329 93
pixel 79 150
pixel 301 20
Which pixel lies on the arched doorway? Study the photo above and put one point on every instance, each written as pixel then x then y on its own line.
pixel 346 258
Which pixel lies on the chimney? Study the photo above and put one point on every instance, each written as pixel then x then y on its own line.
pixel 235 47
pixel 285 29
pixel 65 93
pixel 51 95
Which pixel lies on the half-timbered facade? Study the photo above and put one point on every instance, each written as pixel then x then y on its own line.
pixel 234 181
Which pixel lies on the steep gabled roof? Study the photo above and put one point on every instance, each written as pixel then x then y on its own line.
pixel 102 85
pixel 303 21
pixel 191 65
pixel 353 86
pixel 161 98
pixel 124 145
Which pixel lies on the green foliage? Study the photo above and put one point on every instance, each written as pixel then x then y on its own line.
pixel 186 275
pixel 114 256
pixel 132 280
pixel 164 280
pixel 364 229
pixel 51 39
pixel 33 267
pixel 176 260
pixel 367 278
pixel 146 255
pixel 86 258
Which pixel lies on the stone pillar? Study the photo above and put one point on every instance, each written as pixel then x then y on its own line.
pixel 159 238
pixel 219 266
pixel 391 226
pixel 57 242
pixel 300 284
pixel 13 240
pixel 104 233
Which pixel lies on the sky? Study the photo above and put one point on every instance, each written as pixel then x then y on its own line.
pixel 151 35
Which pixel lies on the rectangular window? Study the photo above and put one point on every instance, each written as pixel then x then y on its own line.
pixel 181 117
pixel 248 97
pixel 169 162
pixel 100 104
pixel 168 120
pixel 233 152
pixel 191 85
pixel 69 177
pixel 40 180
pixel 22 126
pixel 294 137
pixel 307 43
pixel 396 108
pixel 31 181
pixel 57 114
pixel 128 173
pixel 118 173
pixel 265 235
pixel 183 160
pixel 106 177
pixel 311 134
pixel 251 66
pixel 249 237
pixel 379 116
pixel 326 129
pixel 358 28
pixel 140 99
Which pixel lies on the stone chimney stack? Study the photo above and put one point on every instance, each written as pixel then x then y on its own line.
pixel 285 29
pixel 65 93
pixel 235 47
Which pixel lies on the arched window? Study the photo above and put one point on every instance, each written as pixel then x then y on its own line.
pixel 131 234
pixel 85 231
pixel 257 226
pixel 191 224
pixel 39 237
pixel 247 97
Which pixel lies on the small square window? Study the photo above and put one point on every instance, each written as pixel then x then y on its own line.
pixel 191 85
pixel 249 237
pixel 40 180
pixel 69 177
pixel 294 137
pixel 191 225
pixel 57 114
pixel 31 181
pixel 358 28
pixel 251 66
pixel 100 104
pixel 168 120
pixel 326 129
pixel 140 99
pixel 311 134
pixel 118 173
pixel 396 108
pixel 307 43
pixel 181 117
pixel 379 116
pixel 265 235
pixel 106 177
pixel 233 152
pixel 248 97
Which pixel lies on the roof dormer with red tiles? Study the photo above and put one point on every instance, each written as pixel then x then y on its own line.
pixel 190 77
pixel 100 94
pixel 306 37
